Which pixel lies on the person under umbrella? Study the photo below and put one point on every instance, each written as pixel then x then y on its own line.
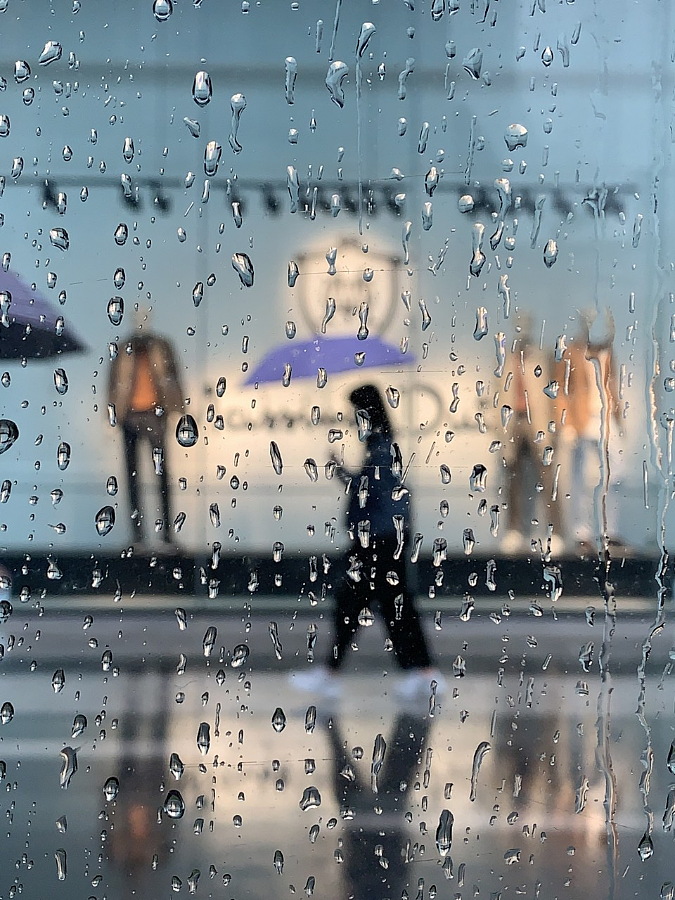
pixel 374 570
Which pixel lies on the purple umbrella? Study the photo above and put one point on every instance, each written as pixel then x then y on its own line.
pixel 29 325
pixel 338 354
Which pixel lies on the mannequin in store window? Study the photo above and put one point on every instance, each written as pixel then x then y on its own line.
pixel 145 389
pixel 531 402
pixel 592 412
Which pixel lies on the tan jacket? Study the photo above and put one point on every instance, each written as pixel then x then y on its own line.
pixel 529 374
pixel 166 379
pixel 584 398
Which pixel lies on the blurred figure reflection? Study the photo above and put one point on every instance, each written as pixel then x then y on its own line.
pixel 377 846
pixel 144 388
pixel 139 848
pixel 374 569
pixel 590 385
pixel 530 421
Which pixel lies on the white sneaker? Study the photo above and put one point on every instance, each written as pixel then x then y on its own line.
pixel 318 680
pixel 416 684
pixel 513 543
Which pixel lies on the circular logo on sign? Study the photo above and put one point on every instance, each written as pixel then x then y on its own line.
pixel 336 282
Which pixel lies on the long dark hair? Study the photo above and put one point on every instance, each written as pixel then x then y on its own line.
pixel 369 398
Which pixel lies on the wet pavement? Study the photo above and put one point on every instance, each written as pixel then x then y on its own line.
pixel 548 773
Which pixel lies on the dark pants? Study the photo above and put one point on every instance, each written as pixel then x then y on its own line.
pixel 378 569
pixel 138 427
pixel 375 864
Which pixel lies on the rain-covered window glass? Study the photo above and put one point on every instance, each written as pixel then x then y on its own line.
pixel 336 448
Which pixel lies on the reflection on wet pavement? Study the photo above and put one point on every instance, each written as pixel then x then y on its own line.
pixel 196 774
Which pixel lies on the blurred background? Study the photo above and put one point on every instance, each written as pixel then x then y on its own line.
pixel 111 127
pixel 464 203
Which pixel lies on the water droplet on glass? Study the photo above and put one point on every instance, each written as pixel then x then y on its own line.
pixel 192 126
pixel 62 453
pixel 243 266
pixel 279 719
pixel 111 789
pixel 239 656
pixel 473 63
pixel 477 257
pixel 68 766
pixel 79 724
pixel 204 738
pixel 670 762
pixel 337 71
pixel 201 88
pixel 291 68
pixel 58 681
pixel 60 381
pixel 61 864
pixel 58 237
pixel 478 478
pixel 366 33
pixel 293 273
pixel 550 253
pixel 468 541
pixel 393 397
pixel 311 798
pixel 116 310
pixel 186 431
pixel 51 52
pixel 198 293
pixel 274 636
pixel 176 766
pixel 174 805
pixel 128 149
pixel 427 216
pixel 515 136
pixel 9 433
pixel 214 515
pixel 668 816
pixel 444 832
pixel 311 469
pixel 121 234
pixel 645 847
pixel 481 328
pixel 237 106
pixel 547 56
pixel 181 618
pixel 162 9
pixel 279 861
pixel 212 154
pixel 21 71
pixel 209 641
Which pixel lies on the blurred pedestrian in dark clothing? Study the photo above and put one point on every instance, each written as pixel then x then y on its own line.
pixel 374 569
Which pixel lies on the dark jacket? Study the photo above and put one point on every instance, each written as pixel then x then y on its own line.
pixel 375 493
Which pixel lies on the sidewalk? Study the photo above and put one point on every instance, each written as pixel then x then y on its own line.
pixel 190 575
